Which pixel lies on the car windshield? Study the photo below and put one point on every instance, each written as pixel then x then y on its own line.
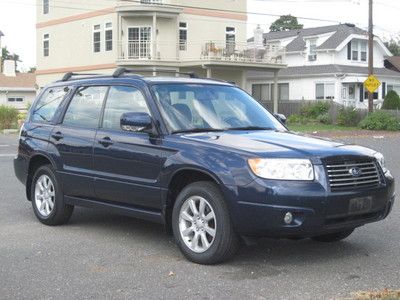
pixel 208 107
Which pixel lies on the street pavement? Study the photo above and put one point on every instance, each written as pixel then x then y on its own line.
pixel 100 255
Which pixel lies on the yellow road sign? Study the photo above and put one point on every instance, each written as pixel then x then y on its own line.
pixel 372 84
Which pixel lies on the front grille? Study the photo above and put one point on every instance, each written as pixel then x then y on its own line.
pixel 365 174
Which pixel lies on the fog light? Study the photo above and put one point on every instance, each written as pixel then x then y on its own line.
pixel 288 218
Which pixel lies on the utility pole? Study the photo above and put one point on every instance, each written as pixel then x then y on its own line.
pixel 370 55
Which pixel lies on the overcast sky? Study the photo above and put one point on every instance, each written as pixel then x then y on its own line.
pixel 17 19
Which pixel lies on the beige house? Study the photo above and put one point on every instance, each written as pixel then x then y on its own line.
pixel 203 36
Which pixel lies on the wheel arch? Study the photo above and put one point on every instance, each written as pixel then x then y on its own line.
pixel 35 162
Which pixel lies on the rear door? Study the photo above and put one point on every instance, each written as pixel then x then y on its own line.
pixel 74 139
pixel 127 164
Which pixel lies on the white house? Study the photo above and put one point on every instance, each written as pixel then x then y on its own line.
pixel 16 89
pixel 327 62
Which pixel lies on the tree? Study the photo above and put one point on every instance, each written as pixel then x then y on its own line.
pixel 394 47
pixel 392 101
pixel 286 22
pixel 6 55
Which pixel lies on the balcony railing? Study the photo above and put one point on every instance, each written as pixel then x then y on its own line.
pixel 212 51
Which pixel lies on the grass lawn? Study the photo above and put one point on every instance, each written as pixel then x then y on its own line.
pixel 319 127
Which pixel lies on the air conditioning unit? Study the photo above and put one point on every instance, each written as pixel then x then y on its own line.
pixel 312 57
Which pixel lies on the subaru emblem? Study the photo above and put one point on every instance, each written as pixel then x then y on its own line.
pixel 355 172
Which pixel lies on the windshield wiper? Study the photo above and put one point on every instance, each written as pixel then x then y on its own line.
pixel 194 130
pixel 251 128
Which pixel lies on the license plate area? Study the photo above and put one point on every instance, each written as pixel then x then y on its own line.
pixel 360 205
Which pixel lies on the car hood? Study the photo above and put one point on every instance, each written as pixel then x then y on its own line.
pixel 268 143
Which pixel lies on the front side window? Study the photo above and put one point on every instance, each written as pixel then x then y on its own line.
pixel 182 36
pixel 85 107
pixel 45 7
pixel 120 100
pixel 109 36
pixel 188 107
pixel 47 106
pixel 96 38
pixel 46 45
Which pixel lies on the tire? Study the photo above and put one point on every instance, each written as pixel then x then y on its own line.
pixel 49 206
pixel 333 237
pixel 225 242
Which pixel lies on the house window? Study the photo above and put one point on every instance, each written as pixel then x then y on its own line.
pixel 45 7
pixel 283 91
pixel 15 99
pixel 109 36
pixel 182 36
pixel 261 92
pixel 96 38
pixel 230 36
pixel 46 45
pixel 358 51
pixel 325 91
pixel 312 54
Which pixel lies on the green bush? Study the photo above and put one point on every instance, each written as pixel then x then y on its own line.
pixel 380 120
pixel 315 110
pixel 8 117
pixel 324 119
pixel 348 116
pixel 297 119
pixel 392 101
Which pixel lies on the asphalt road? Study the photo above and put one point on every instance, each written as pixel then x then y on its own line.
pixel 99 255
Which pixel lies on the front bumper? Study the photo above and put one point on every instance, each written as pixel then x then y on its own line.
pixel 261 206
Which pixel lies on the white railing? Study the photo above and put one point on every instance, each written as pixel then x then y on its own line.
pixel 213 51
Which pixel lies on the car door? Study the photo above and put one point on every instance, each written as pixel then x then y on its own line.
pixel 74 139
pixel 127 164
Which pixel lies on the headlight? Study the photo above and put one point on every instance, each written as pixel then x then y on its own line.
pixel 282 169
pixel 381 160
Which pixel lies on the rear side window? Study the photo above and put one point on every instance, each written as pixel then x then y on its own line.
pixel 47 105
pixel 85 107
pixel 122 99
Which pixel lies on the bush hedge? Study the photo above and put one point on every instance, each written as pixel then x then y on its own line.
pixel 8 117
pixel 348 116
pixel 392 101
pixel 380 120
pixel 315 110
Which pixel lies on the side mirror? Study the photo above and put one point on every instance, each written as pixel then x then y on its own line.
pixel 281 118
pixel 137 122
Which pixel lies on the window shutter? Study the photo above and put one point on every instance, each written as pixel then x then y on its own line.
pixel 361 93
pixel 383 90
pixel 349 51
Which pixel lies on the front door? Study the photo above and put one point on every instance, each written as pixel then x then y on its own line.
pixel 139 42
pixel 74 140
pixel 349 94
pixel 128 164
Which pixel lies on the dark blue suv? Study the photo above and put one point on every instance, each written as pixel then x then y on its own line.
pixel 199 156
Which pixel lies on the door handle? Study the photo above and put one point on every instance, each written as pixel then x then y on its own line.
pixel 57 136
pixel 106 141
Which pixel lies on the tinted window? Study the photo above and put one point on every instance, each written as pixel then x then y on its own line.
pixel 122 99
pixel 85 107
pixel 47 105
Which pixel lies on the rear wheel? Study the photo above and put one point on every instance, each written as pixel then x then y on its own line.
pixel 333 237
pixel 202 225
pixel 47 198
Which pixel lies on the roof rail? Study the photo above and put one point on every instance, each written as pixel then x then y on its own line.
pixel 120 71
pixel 69 75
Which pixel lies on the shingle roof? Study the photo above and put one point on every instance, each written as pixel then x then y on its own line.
pixel 334 69
pixel 394 61
pixel 21 80
pixel 341 32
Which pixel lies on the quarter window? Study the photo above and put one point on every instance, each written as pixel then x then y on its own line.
pixel 109 36
pixel 46 45
pixel 85 107
pixel 324 91
pixel 182 36
pixel 46 107
pixel 122 99
pixel 96 38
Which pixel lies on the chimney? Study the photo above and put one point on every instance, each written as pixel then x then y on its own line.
pixel 9 68
pixel 258 37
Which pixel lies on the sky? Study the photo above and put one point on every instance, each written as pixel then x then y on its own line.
pixel 18 18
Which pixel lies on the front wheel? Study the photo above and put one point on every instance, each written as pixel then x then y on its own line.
pixel 333 237
pixel 202 226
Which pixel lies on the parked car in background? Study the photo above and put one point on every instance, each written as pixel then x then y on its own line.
pixel 197 155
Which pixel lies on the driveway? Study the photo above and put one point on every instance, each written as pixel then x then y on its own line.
pixel 99 255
